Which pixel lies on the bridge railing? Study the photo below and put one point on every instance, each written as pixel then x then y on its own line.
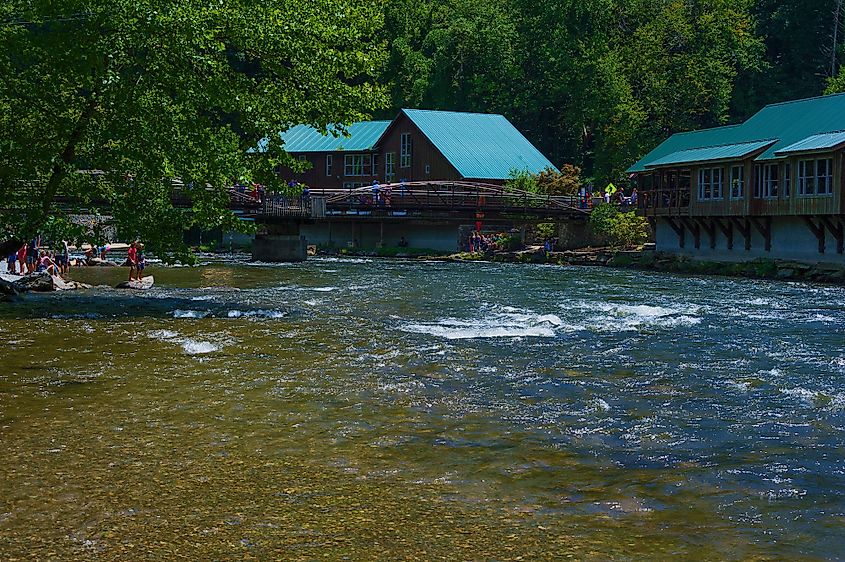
pixel 448 195
pixel 293 207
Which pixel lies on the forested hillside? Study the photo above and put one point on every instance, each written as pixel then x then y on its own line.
pixel 600 82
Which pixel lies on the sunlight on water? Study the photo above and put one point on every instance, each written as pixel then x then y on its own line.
pixel 360 409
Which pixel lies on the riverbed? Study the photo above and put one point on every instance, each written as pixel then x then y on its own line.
pixel 375 409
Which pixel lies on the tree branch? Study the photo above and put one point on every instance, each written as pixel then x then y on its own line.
pixel 60 166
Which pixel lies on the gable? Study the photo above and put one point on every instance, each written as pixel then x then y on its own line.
pixel 478 146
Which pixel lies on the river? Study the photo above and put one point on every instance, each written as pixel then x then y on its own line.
pixel 359 409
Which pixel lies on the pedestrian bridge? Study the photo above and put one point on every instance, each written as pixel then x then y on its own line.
pixel 430 200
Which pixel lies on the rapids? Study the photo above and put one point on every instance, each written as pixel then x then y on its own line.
pixel 377 409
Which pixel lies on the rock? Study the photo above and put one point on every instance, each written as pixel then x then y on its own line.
pixel 7 286
pixel 101 263
pixel 786 273
pixel 39 282
pixel 142 285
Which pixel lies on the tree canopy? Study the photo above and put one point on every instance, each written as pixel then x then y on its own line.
pixel 147 91
pixel 597 83
pixel 143 92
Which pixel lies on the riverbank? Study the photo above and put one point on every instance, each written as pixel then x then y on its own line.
pixel 649 260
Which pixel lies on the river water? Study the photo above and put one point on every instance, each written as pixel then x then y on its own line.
pixel 356 409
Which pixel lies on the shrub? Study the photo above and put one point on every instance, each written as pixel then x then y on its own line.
pixel 545 231
pixel 621 229
pixel 565 182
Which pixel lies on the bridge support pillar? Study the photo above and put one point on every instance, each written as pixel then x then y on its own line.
pixel 280 243
pixel 576 235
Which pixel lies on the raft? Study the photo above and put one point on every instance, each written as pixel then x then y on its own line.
pixel 142 285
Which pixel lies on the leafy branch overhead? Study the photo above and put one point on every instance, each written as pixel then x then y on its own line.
pixel 149 91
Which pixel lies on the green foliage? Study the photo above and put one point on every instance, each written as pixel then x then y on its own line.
pixel 149 91
pixel 545 231
pixel 621 229
pixel 565 182
pixel 522 181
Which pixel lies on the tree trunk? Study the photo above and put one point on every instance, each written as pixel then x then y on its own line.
pixel 837 14
pixel 59 170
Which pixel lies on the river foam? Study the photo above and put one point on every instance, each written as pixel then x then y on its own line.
pixel 507 323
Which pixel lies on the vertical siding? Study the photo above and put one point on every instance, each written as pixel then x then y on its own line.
pixel 423 153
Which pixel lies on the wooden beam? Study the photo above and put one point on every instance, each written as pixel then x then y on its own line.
pixel 744 228
pixel 837 231
pixel 710 229
pixel 818 232
pixel 764 227
pixel 679 230
pixel 695 229
pixel 727 229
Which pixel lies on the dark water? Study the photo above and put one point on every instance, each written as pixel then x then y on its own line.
pixel 392 410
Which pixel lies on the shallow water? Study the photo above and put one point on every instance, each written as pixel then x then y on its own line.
pixel 357 409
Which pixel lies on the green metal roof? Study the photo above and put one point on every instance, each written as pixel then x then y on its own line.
pixel 824 141
pixel 479 146
pixel 362 135
pixel 786 123
pixel 711 153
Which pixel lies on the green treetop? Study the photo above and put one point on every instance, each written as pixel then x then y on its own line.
pixel 148 91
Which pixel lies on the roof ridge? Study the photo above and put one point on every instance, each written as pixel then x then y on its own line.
pixel 788 102
pixel 707 129
pixel 729 144
pixel 450 111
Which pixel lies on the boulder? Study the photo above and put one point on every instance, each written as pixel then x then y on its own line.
pixel 7 285
pixel 142 285
pixel 39 282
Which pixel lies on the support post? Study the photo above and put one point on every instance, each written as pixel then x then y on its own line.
pixel 764 227
pixel 744 227
pixel 818 232
pixel 710 229
pixel 695 229
pixel 679 230
pixel 727 229
pixel 837 230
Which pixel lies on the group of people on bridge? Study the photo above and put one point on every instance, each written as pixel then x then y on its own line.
pixel 612 194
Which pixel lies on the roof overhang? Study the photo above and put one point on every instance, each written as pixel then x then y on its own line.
pixel 712 154
pixel 823 142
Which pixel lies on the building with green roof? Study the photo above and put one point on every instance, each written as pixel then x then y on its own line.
pixel 769 187
pixel 418 145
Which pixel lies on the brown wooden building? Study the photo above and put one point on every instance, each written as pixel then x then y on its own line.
pixel 770 187
pixel 418 145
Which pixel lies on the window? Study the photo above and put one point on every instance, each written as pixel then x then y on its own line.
pixel 389 166
pixel 328 164
pixel 824 176
pixel 766 181
pixel 301 158
pixel 815 177
pixel 737 182
pixel 787 180
pixel 710 183
pixel 357 165
pixel 353 184
pixel 428 168
pixel 807 177
pixel 405 151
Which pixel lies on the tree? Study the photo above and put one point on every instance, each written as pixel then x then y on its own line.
pixel 145 92
pixel 565 182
